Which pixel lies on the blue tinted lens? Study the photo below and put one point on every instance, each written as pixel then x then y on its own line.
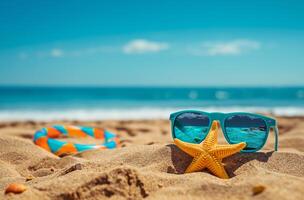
pixel 191 127
pixel 246 128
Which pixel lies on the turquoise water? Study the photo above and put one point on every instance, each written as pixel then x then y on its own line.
pixel 254 138
pixel 192 134
pixel 142 102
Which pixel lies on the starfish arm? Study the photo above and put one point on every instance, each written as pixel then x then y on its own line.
pixel 198 163
pixel 216 167
pixel 208 154
pixel 211 138
pixel 191 149
pixel 223 151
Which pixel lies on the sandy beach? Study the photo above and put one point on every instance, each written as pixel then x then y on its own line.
pixel 147 165
pixel 88 90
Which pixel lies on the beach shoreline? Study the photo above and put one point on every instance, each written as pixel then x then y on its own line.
pixel 147 165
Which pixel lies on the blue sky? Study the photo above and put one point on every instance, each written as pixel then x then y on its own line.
pixel 141 43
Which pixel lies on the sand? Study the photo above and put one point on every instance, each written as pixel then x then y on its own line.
pixel 147 166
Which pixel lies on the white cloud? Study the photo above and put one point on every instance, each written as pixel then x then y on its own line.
pixel 234 47
pixel 139 46
pixel 56 53
pixel 59 53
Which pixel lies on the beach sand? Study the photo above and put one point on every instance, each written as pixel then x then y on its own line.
pixel 147 166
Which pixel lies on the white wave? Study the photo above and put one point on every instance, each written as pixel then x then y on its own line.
pixel 140 113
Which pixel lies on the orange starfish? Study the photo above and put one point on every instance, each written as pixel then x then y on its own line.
pixel 208 154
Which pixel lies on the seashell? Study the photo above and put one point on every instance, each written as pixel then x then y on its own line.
pixel 15 188
pixel 258 189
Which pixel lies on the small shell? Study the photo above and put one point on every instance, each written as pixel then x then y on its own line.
pixel 258 189
pixel 15 188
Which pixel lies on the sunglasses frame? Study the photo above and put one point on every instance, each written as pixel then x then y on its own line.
pixel 271 123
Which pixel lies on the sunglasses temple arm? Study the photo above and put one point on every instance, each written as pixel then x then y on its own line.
pixel 276 132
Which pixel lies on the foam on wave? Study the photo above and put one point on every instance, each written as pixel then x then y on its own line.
pixel 133 113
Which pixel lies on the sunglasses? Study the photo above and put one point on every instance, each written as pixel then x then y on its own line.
pixel 193 126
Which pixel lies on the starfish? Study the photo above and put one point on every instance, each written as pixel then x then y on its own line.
pixel 208 154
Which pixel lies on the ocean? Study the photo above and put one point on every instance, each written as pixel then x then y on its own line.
pixel 93 103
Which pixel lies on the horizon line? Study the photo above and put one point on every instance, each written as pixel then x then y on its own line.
pixel 147 86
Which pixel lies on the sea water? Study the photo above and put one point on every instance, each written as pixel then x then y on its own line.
pixel 93 103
